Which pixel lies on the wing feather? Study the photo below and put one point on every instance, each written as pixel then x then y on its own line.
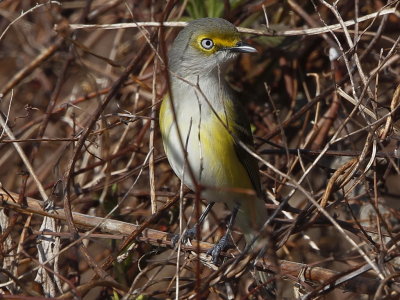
pixel 242 131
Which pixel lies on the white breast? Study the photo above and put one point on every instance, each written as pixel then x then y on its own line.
pixel 193 112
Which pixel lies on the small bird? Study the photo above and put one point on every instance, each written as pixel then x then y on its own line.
pixel 204 126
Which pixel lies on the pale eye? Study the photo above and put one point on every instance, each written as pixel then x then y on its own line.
pixel 207 44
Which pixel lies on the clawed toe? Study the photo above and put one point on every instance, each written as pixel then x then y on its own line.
pixel 175 240
pixel 223 244
pixel 187 236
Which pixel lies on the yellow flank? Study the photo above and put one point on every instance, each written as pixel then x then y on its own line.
pixel 165 117
pixel 218 147
pixel 222 160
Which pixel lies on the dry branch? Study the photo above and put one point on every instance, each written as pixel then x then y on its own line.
pixel 267 32
pixel 359 284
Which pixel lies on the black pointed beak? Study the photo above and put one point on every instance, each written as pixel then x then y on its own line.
pixel 243 47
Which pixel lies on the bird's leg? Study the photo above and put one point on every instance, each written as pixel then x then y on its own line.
pixel 224 242
pixel 191 233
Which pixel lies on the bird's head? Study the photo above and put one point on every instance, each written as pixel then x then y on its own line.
pixel 205 45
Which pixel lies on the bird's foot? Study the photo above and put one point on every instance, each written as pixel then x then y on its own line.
pixel 189 234
pixel 223 244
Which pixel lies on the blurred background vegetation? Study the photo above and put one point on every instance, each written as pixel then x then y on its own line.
pixel 82 104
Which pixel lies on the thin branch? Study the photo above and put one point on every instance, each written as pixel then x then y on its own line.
pixel 311 31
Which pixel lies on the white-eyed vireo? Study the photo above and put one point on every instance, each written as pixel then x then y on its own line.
pixel 203 118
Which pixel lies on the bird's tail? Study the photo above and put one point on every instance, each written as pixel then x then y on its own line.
pixel 250 219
